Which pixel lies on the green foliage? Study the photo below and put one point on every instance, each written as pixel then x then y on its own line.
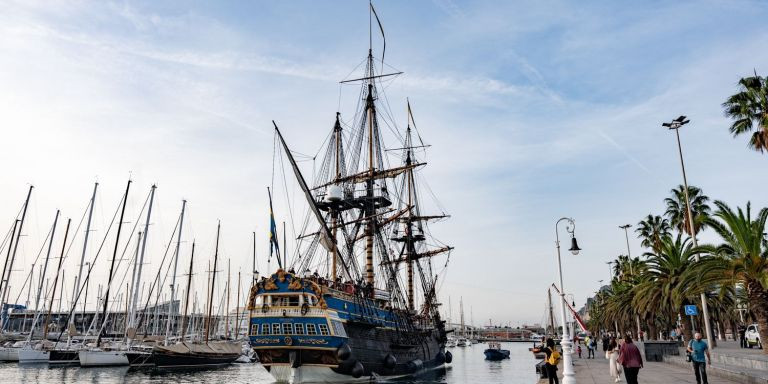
pixel 749 110
pixel 678 214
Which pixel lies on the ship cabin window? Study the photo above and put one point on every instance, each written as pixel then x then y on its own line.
pixel 287 328
pixel 265 329
pixel 311 330
pixel 299 328
pixel 338 328
pixel 286 301
pixel 323 329
pixel 259 301
pixel 275 329
pixel 254 329
pixel 311 300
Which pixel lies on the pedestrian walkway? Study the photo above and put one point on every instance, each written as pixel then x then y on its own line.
pixel 595 371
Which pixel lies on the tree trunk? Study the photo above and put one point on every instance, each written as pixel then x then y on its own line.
pixel 758 300
pixel 653 333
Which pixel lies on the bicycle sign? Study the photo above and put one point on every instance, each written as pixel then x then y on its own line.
pixel 691 310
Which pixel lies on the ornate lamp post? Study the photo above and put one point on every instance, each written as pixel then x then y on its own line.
pixel 568 373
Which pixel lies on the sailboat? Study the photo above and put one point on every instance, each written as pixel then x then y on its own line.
pixel 206 354
pixel 107 353
pixel 357 320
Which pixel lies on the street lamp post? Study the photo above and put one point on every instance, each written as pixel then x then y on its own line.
pixel 675 125
pixel 625 227
pixel 569 376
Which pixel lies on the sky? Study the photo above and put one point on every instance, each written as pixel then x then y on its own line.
pixel 533 110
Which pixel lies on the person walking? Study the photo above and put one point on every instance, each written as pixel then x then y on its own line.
pixel 592 347
pixel 578 349
pixel 630 360
pixel 612 354
pixel 551 361
pixel 699 349
pixel 742 338
pixel 606 341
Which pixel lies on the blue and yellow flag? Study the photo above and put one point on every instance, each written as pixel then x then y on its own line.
pixel 274 247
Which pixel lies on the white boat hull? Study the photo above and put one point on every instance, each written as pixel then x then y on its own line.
pixel 102 358
pixel 9 354
pixel 33 356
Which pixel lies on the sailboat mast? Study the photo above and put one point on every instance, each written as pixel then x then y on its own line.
pixel 42 275
pixel 237 307
pixel 7 257
pixel 186 299
pixel 112 266
pixel 226 315
pixel 6 278
pixel 56 281
pixel 173 276
pixel 551 315
pixel 253 270
pixel 213 284
pixel 137 275
pixel 82 259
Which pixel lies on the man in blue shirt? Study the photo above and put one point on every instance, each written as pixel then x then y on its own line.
pixel 698 349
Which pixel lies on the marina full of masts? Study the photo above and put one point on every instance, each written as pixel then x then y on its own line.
pixel 140 318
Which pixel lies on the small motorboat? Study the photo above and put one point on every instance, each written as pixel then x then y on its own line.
pixel 494 352
pixel 461 342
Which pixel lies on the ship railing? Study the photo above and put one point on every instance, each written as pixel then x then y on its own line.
pixel 288 311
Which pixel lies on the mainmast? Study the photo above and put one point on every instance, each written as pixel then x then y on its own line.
pixel 82 260
pixel 213 284
pixel 42 276
pixel 371 207
pixel 136 280
pixel 6 278
pixel 56 281
pixel 337 176
pixel 112 266
pixel 173 276
pixel 186 299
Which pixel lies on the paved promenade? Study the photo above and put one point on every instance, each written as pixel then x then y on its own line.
pixel 595 371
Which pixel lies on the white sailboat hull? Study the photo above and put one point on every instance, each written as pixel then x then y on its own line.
pixel 102 358
pixel 33 356
pixel 9 354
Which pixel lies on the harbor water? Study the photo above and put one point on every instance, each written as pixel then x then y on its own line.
pixel 468 366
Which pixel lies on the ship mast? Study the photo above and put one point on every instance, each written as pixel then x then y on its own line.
pixel 112 266
pixel 186 298
pixel 334 212
pixel 213 284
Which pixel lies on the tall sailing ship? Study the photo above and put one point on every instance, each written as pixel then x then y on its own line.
pixel 372 310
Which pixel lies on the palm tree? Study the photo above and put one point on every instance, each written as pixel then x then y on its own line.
pixel 664 288
pixel 749 107
pixel 651 230
pixel 678 213
pixel 742 258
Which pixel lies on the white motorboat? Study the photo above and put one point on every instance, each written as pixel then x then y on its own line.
pixel 97 357
pixel 461 342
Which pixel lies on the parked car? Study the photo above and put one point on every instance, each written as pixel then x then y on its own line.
pixel 753 336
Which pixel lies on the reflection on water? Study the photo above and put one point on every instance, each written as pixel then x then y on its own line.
pixel 469 366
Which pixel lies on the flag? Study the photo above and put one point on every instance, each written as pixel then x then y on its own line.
pixel 274 246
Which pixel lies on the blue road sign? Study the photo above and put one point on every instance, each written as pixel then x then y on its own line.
pixel 691 310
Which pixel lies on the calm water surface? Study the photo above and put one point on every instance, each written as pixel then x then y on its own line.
pixel 468 366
